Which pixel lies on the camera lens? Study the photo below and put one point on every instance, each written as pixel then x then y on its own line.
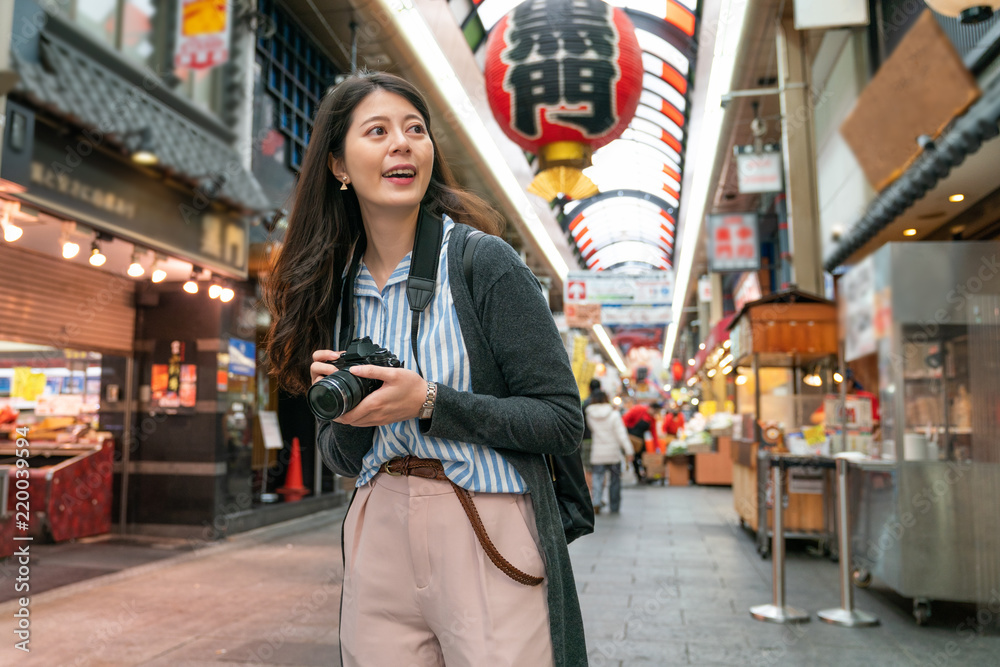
pixel 340 392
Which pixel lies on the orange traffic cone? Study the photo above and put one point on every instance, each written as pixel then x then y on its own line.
pixel 293 489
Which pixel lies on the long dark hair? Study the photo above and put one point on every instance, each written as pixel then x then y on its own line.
pixel 302 291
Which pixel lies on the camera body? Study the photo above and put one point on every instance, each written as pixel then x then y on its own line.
pixel 341 391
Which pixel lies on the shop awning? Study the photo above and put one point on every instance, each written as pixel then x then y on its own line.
pixel 964 138
pixel 72 85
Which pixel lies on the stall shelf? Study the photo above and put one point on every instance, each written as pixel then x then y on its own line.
pixel 924 506
pixel 778 343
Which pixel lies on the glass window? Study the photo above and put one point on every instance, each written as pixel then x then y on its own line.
pixel 99 18
pixel 137 30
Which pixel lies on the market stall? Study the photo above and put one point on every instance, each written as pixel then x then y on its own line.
pixel 924 502
pixel 783 353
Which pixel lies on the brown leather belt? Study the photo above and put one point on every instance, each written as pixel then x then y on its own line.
pixel 432 469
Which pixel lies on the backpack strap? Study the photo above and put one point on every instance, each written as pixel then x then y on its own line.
pixel 471 241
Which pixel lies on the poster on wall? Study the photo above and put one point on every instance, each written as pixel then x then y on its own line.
pixel 174 384
pixel 242 357
pixel 202 33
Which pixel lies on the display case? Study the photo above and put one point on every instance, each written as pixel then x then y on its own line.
pixel 784 349
pixel 925 505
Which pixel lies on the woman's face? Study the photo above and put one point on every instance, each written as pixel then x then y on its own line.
pixel 388 154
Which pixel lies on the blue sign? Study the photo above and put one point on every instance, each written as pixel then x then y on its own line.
pixel 242 357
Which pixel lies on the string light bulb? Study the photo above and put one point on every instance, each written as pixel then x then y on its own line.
pixel 214 291
pixel 226 295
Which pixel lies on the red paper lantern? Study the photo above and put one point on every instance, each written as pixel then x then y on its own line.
pixel 677 370
pixel 563 78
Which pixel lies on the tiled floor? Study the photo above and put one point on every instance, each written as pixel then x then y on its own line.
pixel 669 581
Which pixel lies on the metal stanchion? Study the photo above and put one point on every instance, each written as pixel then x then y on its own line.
pixel 777 611
pixel 846 615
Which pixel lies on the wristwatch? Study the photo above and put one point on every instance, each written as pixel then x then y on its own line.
pixel 427 409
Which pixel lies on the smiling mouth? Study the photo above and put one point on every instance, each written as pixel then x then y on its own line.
pixel 399 173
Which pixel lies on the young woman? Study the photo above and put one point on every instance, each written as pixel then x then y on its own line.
pixel 497 392
pixel 609 444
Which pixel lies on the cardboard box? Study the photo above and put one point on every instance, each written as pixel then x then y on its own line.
pixel 654 465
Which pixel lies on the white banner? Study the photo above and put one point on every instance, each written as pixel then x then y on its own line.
pixel 612 315
pixel 625 289
pixel 857 305
pixel 203 28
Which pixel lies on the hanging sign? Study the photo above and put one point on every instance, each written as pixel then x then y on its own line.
pixel 732 242
pixel 747 290
pixel 203 28
pixel 649 287
pixel 759 172
pixel 705 289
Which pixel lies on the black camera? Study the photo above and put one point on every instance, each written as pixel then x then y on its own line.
pixel 340 392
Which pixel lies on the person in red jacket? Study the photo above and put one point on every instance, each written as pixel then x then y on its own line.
pixel 673 421
pixel 639 419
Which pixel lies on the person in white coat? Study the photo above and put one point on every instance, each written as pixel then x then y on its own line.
pixel 609 444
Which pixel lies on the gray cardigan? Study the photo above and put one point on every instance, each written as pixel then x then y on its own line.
pixel 525 403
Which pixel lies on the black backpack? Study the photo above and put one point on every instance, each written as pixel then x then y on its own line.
pixel 568 477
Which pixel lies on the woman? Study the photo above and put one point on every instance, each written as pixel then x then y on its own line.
pixel 497 393
pixel 609 442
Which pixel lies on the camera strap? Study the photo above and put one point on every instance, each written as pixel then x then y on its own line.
pixel 419 284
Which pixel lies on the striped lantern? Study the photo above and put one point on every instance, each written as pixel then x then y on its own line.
pixel 563 78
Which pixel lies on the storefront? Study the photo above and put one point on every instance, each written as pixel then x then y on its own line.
pixel 126 306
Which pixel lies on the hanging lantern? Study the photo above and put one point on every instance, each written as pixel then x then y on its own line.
pixel 677 371
pixel 966 11
pixel 563 78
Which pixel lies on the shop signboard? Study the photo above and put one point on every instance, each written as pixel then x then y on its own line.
pixel 582 315
pixel 111 196
pixel 759 172
pixel 857 307
pixel 242 357
pixel 747 290
pixel 649 287
pixel 614 315
pixel 202 40
pixel 733 242
pixel 704 289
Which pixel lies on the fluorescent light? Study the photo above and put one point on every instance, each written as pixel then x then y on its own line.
pixel 704 145
pixel 422 41
pixel 609 347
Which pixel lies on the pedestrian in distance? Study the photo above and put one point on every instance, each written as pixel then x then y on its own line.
pixel 609 443
pixel 437 451
pixel 595 385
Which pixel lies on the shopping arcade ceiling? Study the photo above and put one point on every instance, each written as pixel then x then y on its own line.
pixel 631 224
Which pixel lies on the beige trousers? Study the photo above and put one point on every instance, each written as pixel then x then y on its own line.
pixel 419 591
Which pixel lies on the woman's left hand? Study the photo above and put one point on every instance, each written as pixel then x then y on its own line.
pixel 398 399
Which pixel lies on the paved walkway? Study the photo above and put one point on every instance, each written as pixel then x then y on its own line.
pixel 667 582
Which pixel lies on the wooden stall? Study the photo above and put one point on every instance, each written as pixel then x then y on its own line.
pixel 784 349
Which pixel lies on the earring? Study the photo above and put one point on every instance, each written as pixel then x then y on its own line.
pixel 344 186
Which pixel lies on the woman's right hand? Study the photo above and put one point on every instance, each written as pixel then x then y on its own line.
pixel 319 367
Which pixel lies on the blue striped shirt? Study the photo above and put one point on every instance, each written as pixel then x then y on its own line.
pixel 385 317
